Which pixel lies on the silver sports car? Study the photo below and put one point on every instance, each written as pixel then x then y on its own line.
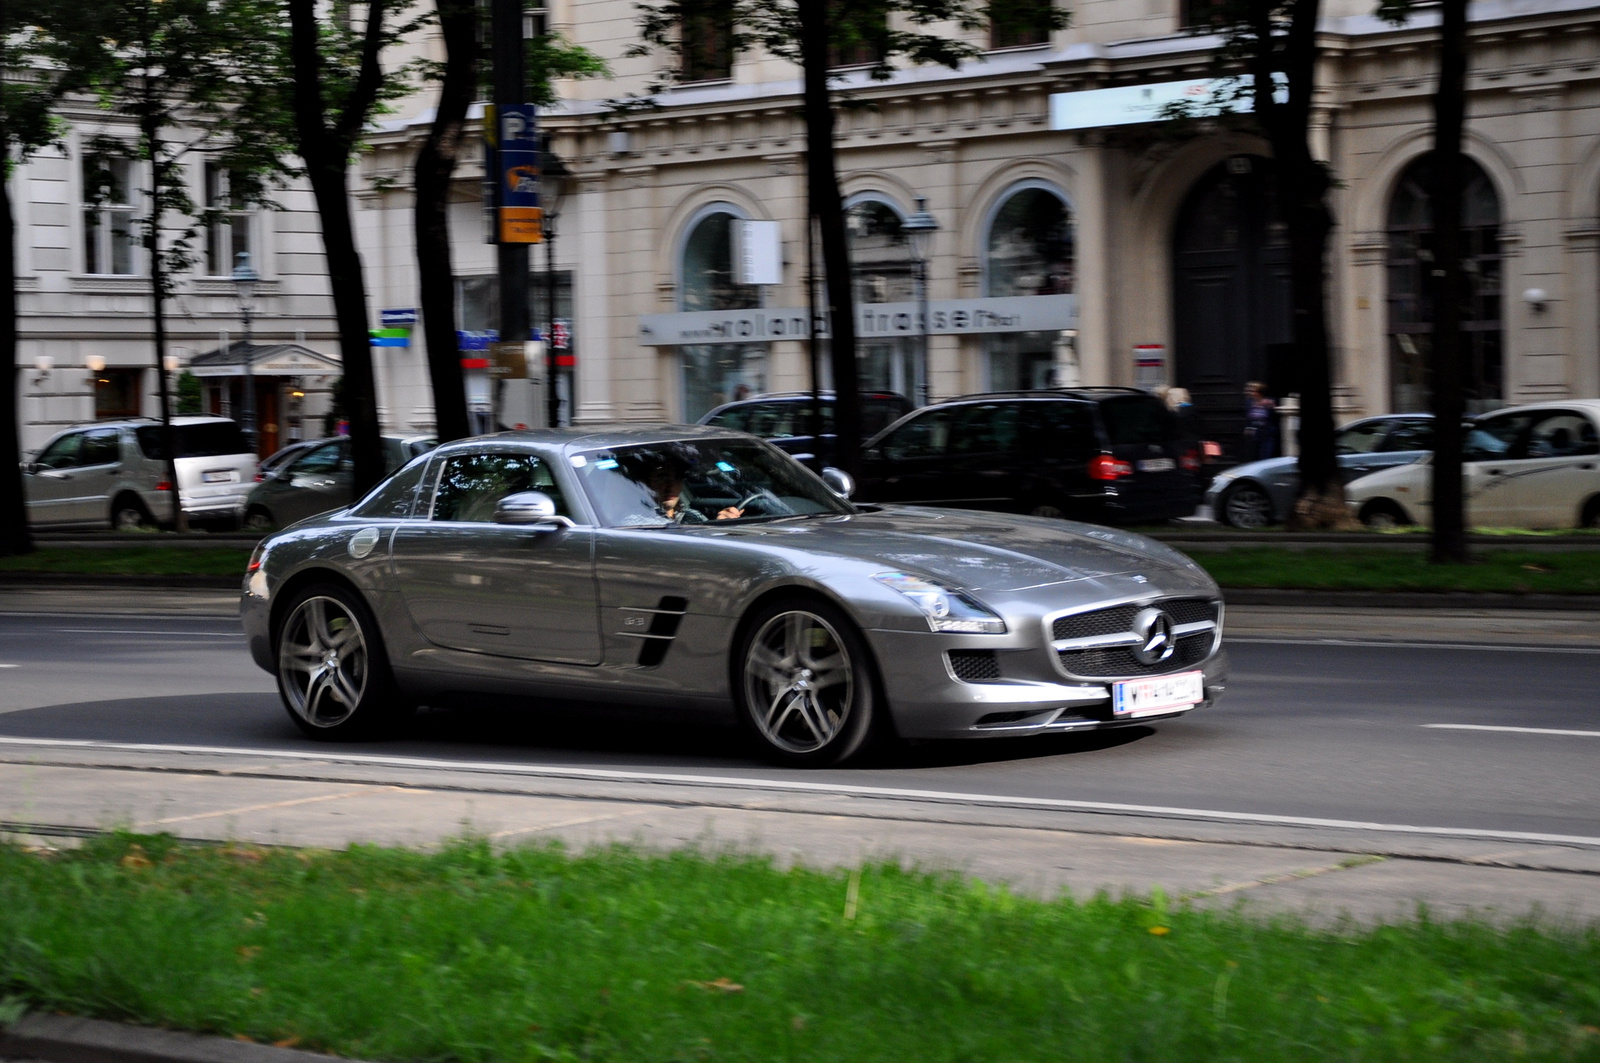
pixel 694 568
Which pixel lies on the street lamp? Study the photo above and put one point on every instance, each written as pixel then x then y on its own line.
pixel 553 177
pixel 919 230
pixel 244 284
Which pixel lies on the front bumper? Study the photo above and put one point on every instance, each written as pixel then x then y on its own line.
pixel 1030 697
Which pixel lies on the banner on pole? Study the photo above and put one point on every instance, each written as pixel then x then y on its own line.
pixel 517 184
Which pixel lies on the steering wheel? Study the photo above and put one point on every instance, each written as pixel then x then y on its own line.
pixel 761 495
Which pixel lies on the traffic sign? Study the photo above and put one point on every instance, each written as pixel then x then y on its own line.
pixel 560 336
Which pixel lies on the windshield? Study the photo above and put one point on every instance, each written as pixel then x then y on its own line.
pixel 208 439
pixel 699 482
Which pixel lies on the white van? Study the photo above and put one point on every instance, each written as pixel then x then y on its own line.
pixel 114 473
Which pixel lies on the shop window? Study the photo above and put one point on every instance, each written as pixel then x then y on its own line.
pixel 705 51
pixel 109 236
pixel 716 373
pixel 1410 267
pixel 228 223
pixel 116 393
pixel 1019 23
pixel 1029 250
pixel 883 270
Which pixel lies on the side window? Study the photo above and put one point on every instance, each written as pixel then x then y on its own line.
pixel 735 419
pixel 1496 437
pixel 100 447
pixel 393 499
pixel 1362 438
pixel 1410 434
pixel 922 437
pixel 1138 420
pixel 64 453
pixel 989 428
pixel 322 459
pixel 1061 430
pixel 1562 435
pixel 471 485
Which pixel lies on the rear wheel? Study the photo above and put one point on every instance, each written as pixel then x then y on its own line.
pixel 804 683
pixel 1382 515
pixel 1591 513
pixel 333 674
pixel 129 514
pixel 258 520
pixel 1246 505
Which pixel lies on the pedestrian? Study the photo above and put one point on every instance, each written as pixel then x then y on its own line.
pixel 1260 422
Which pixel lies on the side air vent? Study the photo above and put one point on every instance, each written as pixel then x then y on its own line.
pixel 974 666
pixel 655 625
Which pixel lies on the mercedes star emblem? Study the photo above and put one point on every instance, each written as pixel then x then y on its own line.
pixel 1154 630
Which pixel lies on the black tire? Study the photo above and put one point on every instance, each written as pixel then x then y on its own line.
pixel 129 514
pixel 1246 505
pixel 1591 513
pixel 333 671
pixel 793 657
pixel 258 519
pixel 1382 514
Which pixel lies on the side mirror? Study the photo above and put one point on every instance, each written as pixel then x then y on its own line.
pixel 530 509
pixel 838 482
pixel 30 467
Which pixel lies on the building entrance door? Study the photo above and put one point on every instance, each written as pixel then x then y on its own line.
pixel 1231 291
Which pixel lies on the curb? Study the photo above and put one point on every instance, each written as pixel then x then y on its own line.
pixel 67 1039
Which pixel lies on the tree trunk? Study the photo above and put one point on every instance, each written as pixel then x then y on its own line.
pixel 326 153
pixel 15 537
pixel 823 190
pixel 436 164
pixel 1449 288
pixel 158 302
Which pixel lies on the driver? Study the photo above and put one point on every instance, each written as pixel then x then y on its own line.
pixel 666 483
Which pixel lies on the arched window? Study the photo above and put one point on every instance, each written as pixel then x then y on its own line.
pixel 1410 263
pixel 720 372
pixel 1028 250
pixel 883 270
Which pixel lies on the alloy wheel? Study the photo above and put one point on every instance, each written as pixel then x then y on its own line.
pixel 323 662
pixel 800 683
pixel 1247 507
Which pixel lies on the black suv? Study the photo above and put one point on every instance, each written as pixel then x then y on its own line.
pixel 784 419
pixel 1104 454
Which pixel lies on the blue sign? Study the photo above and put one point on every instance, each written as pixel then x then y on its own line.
pixel 476 341
pixel 517 144
pixel 395 318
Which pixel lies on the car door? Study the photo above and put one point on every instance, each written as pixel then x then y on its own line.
pixel 50 483
pixel 505 589
pixel 1493 447
pixel 908 464
pixel 1554 471
pixel 1059 441
pixel 95 479
pixel 314 483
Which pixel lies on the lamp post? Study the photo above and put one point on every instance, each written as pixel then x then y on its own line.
pixel 244 283
pixel 553 177
pixel 919 230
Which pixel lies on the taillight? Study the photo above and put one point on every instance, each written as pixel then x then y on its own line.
pixel 257 555
pixel 260 478
pixel 1190 460
pixel 164 485
pixel 1105 467
pixel 1212 448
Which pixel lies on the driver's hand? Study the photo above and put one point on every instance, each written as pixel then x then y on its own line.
pixel 730 513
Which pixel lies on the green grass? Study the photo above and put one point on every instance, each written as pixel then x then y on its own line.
pixel 532 955
pixel 1392 569
pixel 132 561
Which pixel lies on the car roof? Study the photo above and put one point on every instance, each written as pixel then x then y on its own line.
pixel 597 437
pixel 1083 394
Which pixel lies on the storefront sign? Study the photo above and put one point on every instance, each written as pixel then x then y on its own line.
pixel 394 318
pixel 509 361
pixel 946 317
pixel 1133 104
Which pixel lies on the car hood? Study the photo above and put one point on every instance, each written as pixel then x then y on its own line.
pixel 974 551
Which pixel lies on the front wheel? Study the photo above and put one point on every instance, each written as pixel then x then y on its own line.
pixel 332 673
pixel 804 683
pixel 1246 506
pixel 1382 515
pixel 258 520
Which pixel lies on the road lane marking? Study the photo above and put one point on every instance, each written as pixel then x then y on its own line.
pixel 743 782
pixel 1382 645
pixel 10 666
pixel 1513 730
pixel 134 631
pixel 270 806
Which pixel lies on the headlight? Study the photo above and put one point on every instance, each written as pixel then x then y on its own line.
pixel 946 610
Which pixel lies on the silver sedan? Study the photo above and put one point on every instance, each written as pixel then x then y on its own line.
pixel 693 568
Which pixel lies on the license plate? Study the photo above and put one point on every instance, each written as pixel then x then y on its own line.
pixel 220 476
pixel 1149 697
pixel 1157 465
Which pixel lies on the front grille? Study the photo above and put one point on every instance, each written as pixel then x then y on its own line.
pixel 974 666
pixel 1117 662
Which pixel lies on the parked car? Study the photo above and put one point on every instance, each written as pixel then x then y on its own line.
pixel 115 473
pixel 1525 467
pixel 318 478
pixel 784 419
pixel 692 569
pixel 276 460
pixel 1103 454
pixel 1260 493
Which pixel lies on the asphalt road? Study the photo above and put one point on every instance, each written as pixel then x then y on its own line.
pixel 1487 737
